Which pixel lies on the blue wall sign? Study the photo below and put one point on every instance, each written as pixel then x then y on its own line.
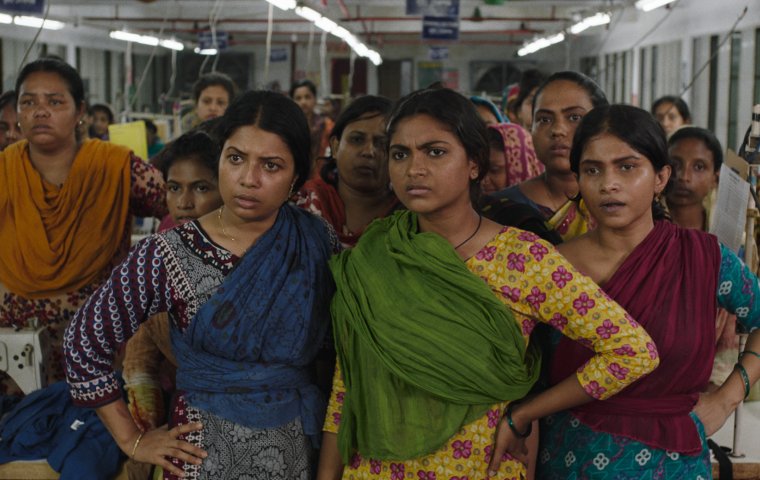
pixel 23 6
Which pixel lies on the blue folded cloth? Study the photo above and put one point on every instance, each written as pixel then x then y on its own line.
pixel 47 425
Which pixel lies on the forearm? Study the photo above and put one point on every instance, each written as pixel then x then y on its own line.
pixel 115 416
pixel 330 464
pixel 733 390
pixel 567 394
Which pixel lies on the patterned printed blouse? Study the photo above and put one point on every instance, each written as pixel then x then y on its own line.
pixel 147 199
pixel 538 285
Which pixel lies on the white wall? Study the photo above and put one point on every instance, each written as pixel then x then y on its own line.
pixel 678 60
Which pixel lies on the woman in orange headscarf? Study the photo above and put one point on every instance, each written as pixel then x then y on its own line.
pixel 66 207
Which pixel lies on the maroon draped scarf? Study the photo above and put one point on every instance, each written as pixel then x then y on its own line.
pixel 668 284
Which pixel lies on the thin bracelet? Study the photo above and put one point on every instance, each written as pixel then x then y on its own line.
pixel 508 416
pixel 745 378
pixel 134 447
pixel 751 352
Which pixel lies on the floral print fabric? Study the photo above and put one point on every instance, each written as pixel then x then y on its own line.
pixel 539 285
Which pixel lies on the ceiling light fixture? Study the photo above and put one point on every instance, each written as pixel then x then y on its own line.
pixel 588 22
pixel 333 28
pixel 308 13
pixel 147 40
pixel 36 22
pixel 539 43
pixel 326 24
pixel 283 4
pixel 5 18
pixel 133 37
pixel 647 5
pixel 172 45
pixel 206 51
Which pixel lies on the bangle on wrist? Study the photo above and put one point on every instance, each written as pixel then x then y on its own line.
pixel 134 447
pixel 751 352
pixel 511 423
pixel 745 378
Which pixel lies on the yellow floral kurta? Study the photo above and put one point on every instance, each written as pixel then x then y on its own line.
pixel 538 285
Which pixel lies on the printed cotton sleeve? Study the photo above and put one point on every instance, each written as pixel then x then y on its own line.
pixel 550 290
pixel 335 405
pixel 738 290
pixel 136 290
pixel 147 197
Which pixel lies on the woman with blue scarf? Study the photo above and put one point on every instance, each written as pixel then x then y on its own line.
pixel 247 290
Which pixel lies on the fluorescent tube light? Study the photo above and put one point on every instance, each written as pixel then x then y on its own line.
pixel 283 4
pixel 588 22
pixel 206 51
pixel 5 18
pixel 172 45
pixel 647 5
pixel 540 43
pixel 308 13
pixel 133 37
pixel 341 32
pixel 326 24
pixel 38 22
pixel 374 57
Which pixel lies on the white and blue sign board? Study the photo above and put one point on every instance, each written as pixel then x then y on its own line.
pixel 438 53
pixel 440 28
pixel 206 40
pixel 435 8
pixel 278 54
pixel 22 6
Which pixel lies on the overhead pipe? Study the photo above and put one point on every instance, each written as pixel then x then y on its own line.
pixel 342 20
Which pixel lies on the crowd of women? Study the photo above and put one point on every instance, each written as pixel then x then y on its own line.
pixel 382 297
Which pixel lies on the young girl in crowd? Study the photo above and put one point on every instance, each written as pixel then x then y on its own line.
pixel 558 107
pixel 189 165
pixel 66 207
pixel 246 288
pixel 522 106
pixel 433 313
pixel 671 113
pixel 9 131
pixel 212 93
pixel 512 160
pixel 361 190
pixel 696 157
pixel 671 280
pixel 304 93
pixel 101 117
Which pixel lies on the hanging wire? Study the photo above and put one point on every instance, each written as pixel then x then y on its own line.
pixel 36 36
pixel 148 64
pixel 268 53
pixel 213 37
pixel 715 53
pixel 323 64
pixel 671 9
pixel 213 16
pixel 696 75
pixel 309 46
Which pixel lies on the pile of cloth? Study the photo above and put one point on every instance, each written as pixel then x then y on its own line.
pixel 73 440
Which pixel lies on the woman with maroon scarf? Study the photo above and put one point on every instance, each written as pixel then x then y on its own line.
pixel 672 281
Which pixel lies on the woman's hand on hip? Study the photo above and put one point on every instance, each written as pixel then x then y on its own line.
pixel 159 446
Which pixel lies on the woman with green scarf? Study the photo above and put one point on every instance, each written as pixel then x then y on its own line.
pixel 433 314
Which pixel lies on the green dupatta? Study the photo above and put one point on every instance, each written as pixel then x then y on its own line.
pixel 424 344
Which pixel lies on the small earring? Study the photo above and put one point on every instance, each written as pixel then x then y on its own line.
pixel 18 124
pixel 290 192
pixel 81 122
